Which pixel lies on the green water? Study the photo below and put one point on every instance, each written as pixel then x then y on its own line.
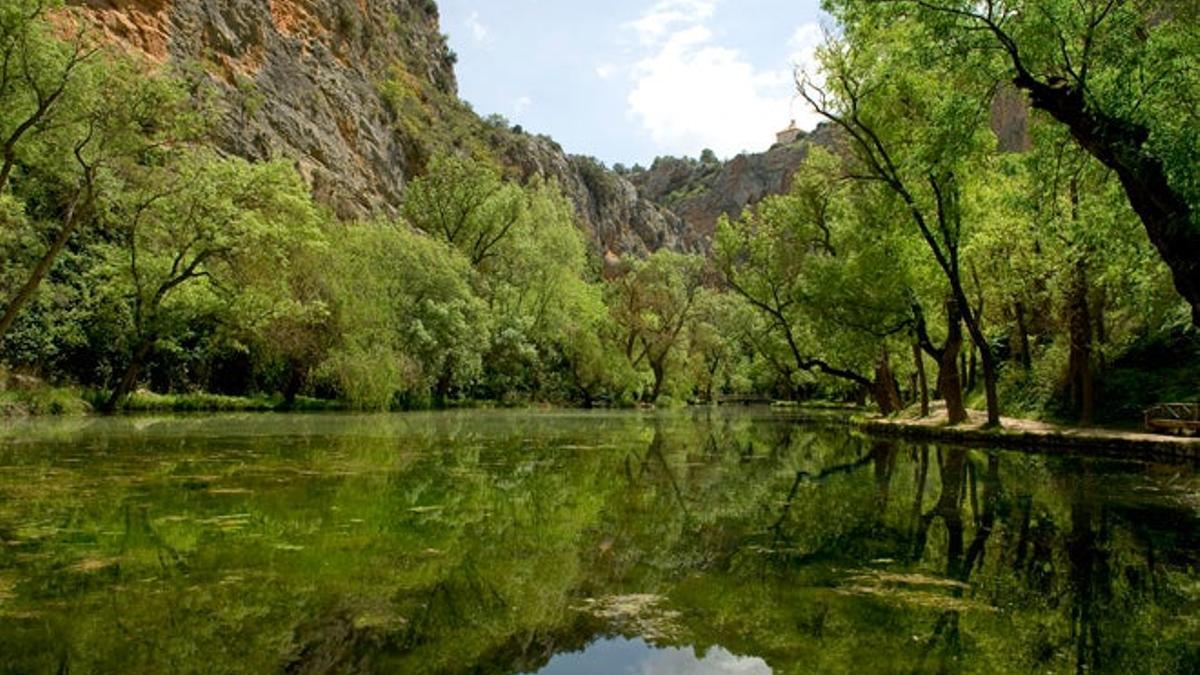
pixel 481 542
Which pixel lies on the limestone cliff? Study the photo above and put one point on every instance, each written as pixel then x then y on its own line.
pixel 615 216
pixel 359 93
pixel 701 192
pixel 299 79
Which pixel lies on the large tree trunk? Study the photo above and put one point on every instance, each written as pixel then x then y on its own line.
pixel 1079 368
pixel 27 290
pixel 974 322
pixel 710 386
pixel 922 380
pixel 297 374
pixel 990 377
pixel 884 389
pixel 659 370
pixel 1121 145
pixel 972 368
pixel 587 399
pixel 129 380
pixel 948 376
pixel 1098 306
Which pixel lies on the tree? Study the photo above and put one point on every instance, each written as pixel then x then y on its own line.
pixel 1121 76
pixel 466 204
pixel 410 325
pixel 1069 268
pixel 111 118
pixel 199 235
pixel 535 288
pixel 716 353
pixel 915 138
pixel 652 305
pixel 39 75
pixel 596 366
pixel 799 261
pixel 294 343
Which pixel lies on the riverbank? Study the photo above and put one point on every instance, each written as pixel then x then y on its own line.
pixel 1032 435
pixel 45 401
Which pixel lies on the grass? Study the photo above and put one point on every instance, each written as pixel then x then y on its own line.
pixel 1159 369
pixel 1162 370
pixel 42 401
pixel 144 401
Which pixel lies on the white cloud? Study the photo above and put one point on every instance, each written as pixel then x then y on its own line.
pixel 522 104
pixel 718 661
pixel 605 71
pixel 656 22
pixel 479 30
pixel 690 93
pixel 804 44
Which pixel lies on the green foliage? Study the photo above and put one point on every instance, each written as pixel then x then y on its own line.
pixel 42 400
pixel 201 240
pixel 409 322
pixel 134 259
pixel 819 268
pixel 652 306
pixel 1131 62
pixel 466 204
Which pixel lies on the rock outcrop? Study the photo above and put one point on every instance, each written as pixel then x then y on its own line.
pixel 298 79
pixel 359 93
pixel 701 192
pixel 610 209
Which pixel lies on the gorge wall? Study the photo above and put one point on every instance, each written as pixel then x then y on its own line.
pixel 361 93
pixel 701 192
pixel 298 79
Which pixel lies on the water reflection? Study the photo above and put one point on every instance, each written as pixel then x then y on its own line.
pixel 636 657
pixel 519 542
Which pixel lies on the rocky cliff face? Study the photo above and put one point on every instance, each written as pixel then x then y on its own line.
pixel 610 209
pixel 359 93
pixel 299 79
pixel 700 193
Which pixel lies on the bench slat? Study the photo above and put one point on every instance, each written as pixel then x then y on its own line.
pixel 1173 424
pixel 1174 416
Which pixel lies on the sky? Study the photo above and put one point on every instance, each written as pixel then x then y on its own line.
pixel 629 80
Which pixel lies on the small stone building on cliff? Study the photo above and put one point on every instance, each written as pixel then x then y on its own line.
pixel 789 135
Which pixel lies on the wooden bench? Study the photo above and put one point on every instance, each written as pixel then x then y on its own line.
pixel 1174 417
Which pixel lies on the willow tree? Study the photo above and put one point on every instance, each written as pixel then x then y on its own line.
pixel 198 236
pixel 916 132
pixel 536 290
pixel 821 278
pixel 652 305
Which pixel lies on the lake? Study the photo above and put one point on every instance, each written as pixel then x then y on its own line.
pixel 696 542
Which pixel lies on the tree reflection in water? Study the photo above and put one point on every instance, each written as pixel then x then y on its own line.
pixel 493 542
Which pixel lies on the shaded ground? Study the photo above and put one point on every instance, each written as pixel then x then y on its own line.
pixel 1034 435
